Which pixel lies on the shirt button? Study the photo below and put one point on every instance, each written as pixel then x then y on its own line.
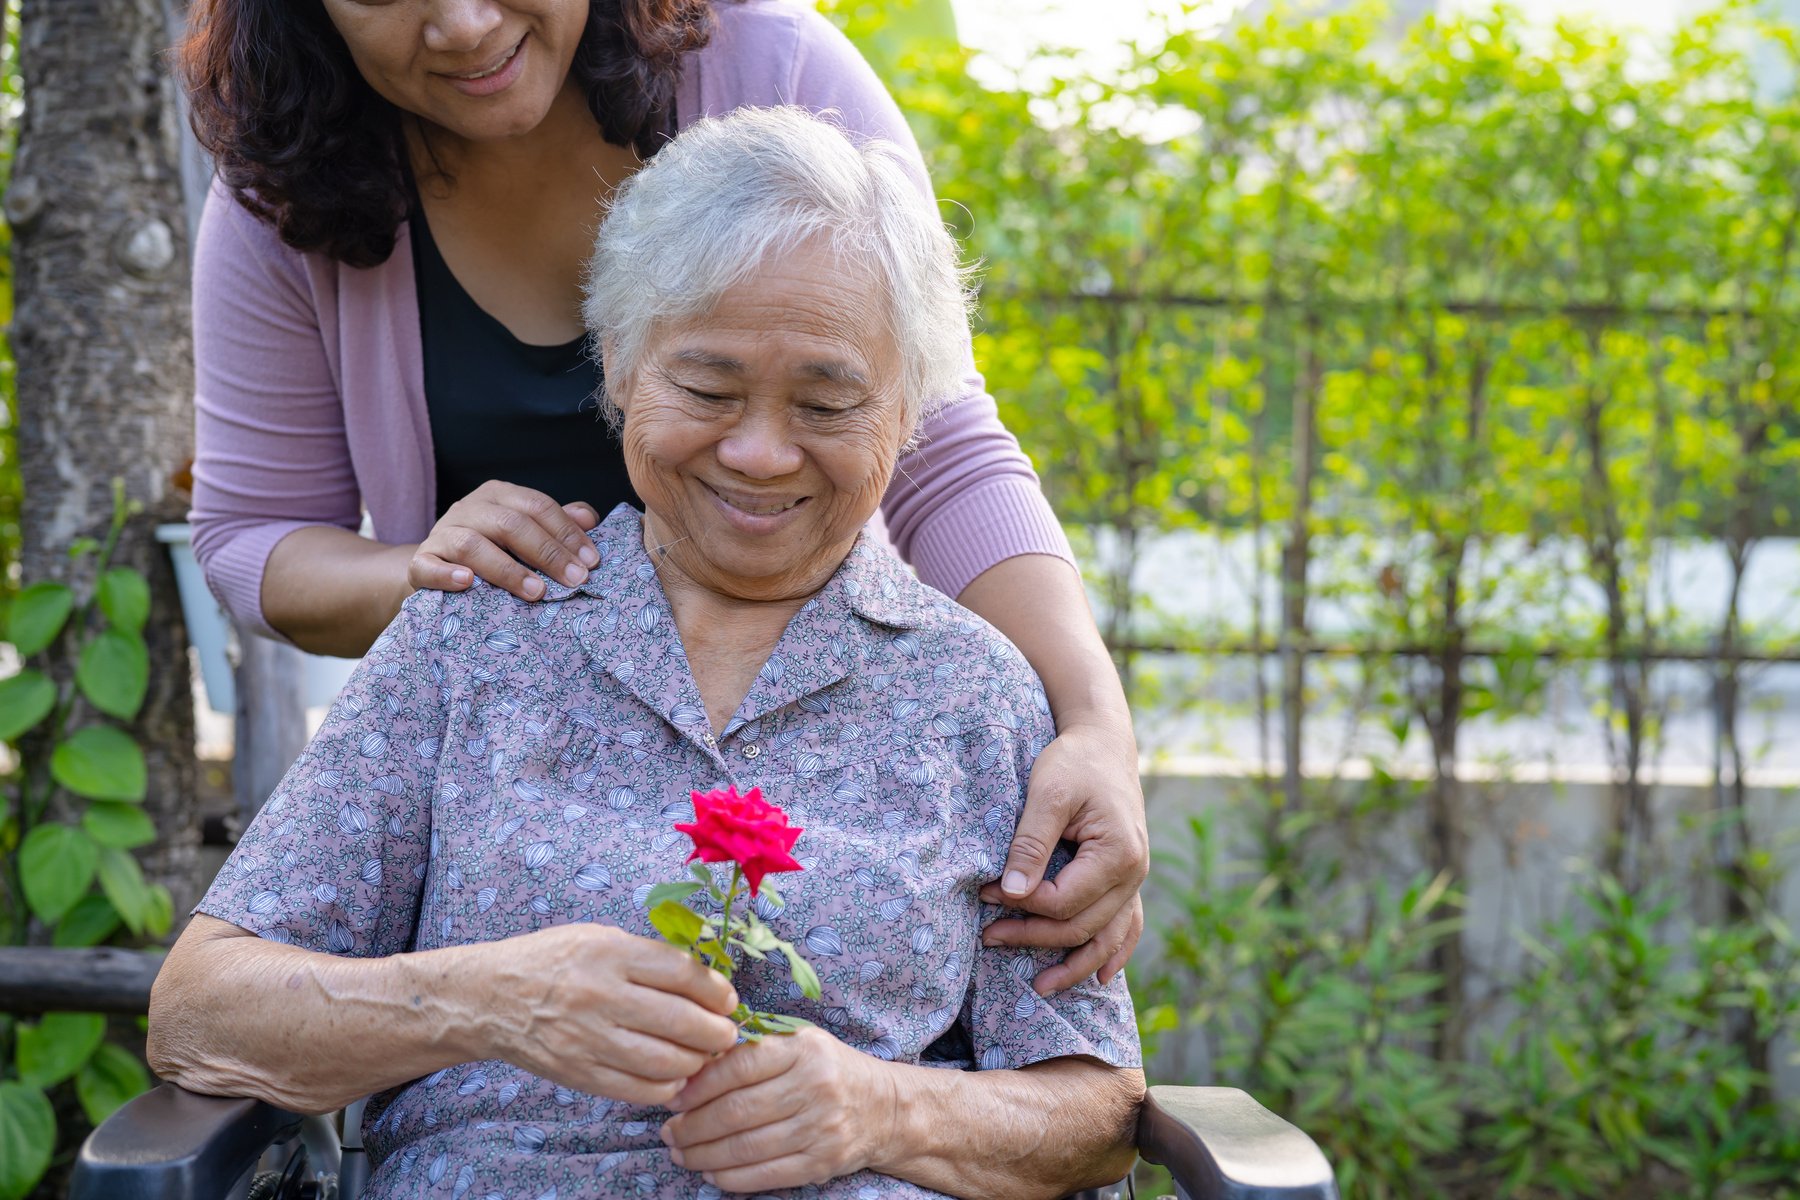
pixel 752 750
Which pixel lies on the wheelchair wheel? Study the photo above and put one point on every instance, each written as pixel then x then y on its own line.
pixel 291 1183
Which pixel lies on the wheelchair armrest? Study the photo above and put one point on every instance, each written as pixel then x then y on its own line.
pixel 1220 1144
pixel 170 1144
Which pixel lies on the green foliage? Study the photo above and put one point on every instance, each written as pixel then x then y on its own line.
pixel 1626 1070
pixel 71 820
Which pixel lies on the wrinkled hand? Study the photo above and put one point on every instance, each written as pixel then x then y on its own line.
pixel 789 1110
pixel 503 532
pixel 1084 789
pixel 603 1011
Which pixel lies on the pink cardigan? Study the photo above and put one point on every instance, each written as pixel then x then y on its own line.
pixel 310 394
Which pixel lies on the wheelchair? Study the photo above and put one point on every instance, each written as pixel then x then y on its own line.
pixel 171 1144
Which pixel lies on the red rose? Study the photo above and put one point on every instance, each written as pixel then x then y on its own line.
pixel 746 830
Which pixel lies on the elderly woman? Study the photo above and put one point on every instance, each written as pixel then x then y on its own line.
pixel 444 902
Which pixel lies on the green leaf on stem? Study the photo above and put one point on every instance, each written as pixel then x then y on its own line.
pixel 676 892
pixel 702 875
pixel 38 615
pixel 27 1136
pixel 747 948
pixel 120 826
pixel 758 936
pixel 56 865
pixel 54 1048
pixel 125 598
pixel 123 882
pixel 25 699
pixel 801 970
pixel 113 1076
pixel 717 957
pixel 114 672
pixel 677 922
pixel 89 923
pixel 101 763
pixel 159 916
pixel 782 1023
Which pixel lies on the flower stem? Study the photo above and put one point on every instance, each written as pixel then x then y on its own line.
pixel 737 877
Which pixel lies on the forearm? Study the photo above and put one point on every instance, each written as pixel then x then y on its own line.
pixel 1047 1130
pixel 237 1015
pixel 333 592
pixel 1037 601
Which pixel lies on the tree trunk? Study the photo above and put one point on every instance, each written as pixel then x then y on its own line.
pixel 101 335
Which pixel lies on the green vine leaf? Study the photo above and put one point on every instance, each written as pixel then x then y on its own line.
pixel 90 922
pixel 114 672
pixel 120 826
pixel 27 1136
pixel 56 865
pixel 113 1076
pixel 125 599
pixel 55 1048
pixel 25 699
pixel 123 882
pixel 101 763
pixel 38 615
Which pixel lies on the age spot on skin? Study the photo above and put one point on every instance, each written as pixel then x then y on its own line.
pixel 294 980
pixel 418 1000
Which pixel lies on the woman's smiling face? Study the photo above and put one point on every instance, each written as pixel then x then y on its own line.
pixel 478 69
pixel 762 434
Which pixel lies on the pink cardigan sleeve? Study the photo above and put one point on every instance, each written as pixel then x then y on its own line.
pixel 270 451
pixel 967 498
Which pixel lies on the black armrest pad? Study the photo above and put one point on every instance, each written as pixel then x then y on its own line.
pixel 169 1144
pixel 1220 1144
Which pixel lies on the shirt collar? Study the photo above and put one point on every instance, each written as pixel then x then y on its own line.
pixel 868 600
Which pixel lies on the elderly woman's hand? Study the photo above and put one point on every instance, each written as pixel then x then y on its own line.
pixel 603 1011
pixel 1084 789
pixel 783 1112
pixel 503 532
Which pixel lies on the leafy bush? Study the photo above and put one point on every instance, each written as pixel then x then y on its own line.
pixel 71 822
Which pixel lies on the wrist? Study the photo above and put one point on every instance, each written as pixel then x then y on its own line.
pixel 895 1141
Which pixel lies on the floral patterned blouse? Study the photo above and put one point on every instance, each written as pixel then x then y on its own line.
pixel 495 767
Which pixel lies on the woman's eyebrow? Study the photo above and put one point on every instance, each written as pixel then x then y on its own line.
pixel 835 372
pixel 715 362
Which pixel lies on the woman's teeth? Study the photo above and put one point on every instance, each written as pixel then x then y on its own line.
pixel 760 510
pixel 496 67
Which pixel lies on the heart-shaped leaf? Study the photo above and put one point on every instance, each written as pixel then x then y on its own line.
pixel 123 882
pixel 89 923
pixel 25 699
pixel 57 864
pixel 37 616
pixel 114 672
pixel 125 599
pixel 101 763
pixel 121 826
pixel 27 1136
pixel 55 1048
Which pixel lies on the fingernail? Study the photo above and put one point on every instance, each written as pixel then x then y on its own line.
pixel 574 574
pixel 589 556
pixel 460 576
pixel 534 587
pixel 676 1155
pixel 1014 883
pixel 668 1139
pixel 708 1176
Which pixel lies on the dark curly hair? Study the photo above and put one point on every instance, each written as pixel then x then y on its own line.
pixel 306 144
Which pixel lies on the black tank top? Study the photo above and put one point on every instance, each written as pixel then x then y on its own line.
pixel 504 409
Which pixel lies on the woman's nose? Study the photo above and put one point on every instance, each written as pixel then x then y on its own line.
pixel 760 446
pixel 460 25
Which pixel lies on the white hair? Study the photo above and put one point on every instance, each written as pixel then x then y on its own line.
pixel 730 192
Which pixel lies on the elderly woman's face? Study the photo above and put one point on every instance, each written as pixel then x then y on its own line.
pixel 479 69
pixel 762 435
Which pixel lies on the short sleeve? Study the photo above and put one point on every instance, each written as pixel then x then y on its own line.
pixel 336 859
pixel 1009 1024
